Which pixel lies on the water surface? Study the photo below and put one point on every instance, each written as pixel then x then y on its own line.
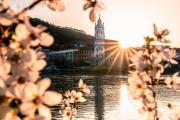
pixel 109 98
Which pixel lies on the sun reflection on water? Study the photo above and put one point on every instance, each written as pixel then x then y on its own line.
pixel 124 99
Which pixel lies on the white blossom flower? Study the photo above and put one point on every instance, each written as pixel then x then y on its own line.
pixel 161 34
pixel 77 96
pixel 41 97
pixel 83 87
pixel 73 97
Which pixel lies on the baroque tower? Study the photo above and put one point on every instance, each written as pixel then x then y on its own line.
pixel 99 41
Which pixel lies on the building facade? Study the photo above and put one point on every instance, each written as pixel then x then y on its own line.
pixel 84 50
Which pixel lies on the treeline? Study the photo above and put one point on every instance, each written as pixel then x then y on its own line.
pixel 64 37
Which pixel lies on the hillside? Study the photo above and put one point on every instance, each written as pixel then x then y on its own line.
pixel 65 37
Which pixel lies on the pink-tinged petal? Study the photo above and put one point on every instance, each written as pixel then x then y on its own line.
pixel 79 94
pixel 5 21
pixel 34 43
pixel 28 108
pixel 177 80
pixel 5 3
pixel 56 5
pixel 92 15
pixel 21 32
pixel 52 98
pixel 83 87
pixel 150 116
pixel 87 90
pixel 39 65
pixel 14 45
pixel 175 74
pixel 172 61
pixel 141 110
pixel 168 80
pixel 17 91
pixel 8 93
pixel 81 83
pixel 87 5
pixel 82 99
pixel 43 85
pixel 44 112
pixel 29 92
pixel 46 39
pixel 2 84
pixel 32 76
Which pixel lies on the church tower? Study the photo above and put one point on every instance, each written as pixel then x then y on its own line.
pixel 99 41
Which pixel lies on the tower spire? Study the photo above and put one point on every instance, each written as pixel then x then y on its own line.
pixel 99 41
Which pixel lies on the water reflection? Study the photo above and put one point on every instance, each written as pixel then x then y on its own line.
pixel 99 99
pixel 124 99
pixel 109 98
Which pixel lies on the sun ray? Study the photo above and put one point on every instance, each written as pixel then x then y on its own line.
pixel 108 49
pixel 110 55
pixel 121 59
pixel 113 62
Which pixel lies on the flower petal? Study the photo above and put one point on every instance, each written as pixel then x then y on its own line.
pixel 92 15
pixel 21 32
pixel 87 5
pixel 39 65
pixel 52 98
pixel 81 83
pixel 44 112
pixel 5 21
pixel 28 108
pixel 43 85
pixel 46 39
pixel 56 5
pixel 29 92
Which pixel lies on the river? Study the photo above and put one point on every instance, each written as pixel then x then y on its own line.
pixel 109 98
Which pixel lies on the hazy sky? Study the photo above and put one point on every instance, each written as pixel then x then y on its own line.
pixel 125 20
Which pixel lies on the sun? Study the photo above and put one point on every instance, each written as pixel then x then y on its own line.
pixel 124 44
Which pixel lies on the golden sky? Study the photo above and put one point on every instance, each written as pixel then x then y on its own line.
pixel 125 20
